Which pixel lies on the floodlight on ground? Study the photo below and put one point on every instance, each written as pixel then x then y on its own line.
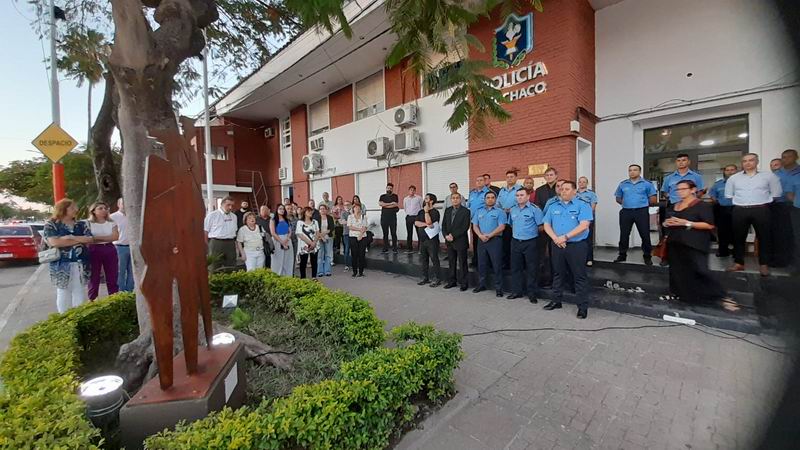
pixel 104 397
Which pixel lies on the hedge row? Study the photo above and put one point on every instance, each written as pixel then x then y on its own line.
pixel 371 398
pixel 39 407
pixel 344 316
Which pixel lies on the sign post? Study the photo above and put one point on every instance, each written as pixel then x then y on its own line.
pixel 54 143
pixel 58 168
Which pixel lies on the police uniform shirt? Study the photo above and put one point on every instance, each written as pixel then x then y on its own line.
pixel 564 217
pixel 488 219
pixel 588 196
pixel 477 199
pixel 717 192
pixel 525 221
pixel 635 194
pixel 550 202
pixel 785 177
pixel 671 183
pixel 751 190
pixel 794 187
pixel 544 193
pixel 220 225
pixel 507 198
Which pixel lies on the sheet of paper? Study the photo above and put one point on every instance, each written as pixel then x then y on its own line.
pixel 433 230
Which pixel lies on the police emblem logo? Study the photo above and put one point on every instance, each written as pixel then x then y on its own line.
pixel 513 40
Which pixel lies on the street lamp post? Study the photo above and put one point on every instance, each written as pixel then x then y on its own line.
pixel 207 134
pixel 58 168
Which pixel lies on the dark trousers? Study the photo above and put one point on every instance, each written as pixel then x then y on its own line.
pixel 545 261
pixel 590 240
pixel 357 250
pixel 410 228
pixel 267 256
pixel 758 217
pixel 429 252
pixel 103 257
pixel 723 220
pixel 571 259
pixel 782 243
pixel 457 257
pixel 689 275
pixel 796 232
pixel 304 261
pixel 491 252
pixel 338 234
pixel 475 242
pixel 628 217
pixel 524 265
pixel 507 236
pixel 389 226
pixel 225 250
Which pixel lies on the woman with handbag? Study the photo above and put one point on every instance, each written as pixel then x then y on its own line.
pixel 250 242
pixel 689 226
pixel 102 253
pixel 69 263
pixel 308 241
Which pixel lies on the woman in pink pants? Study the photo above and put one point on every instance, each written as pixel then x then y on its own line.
pixel 102 253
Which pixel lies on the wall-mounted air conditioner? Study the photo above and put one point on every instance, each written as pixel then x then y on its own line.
pixel 316 144
pixel 283 173
pixel 269 132
pixel 407 141
pixel 406 115
pixel 378 148
pixel 313 163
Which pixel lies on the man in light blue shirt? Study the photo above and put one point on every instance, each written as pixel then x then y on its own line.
pixel 588 195
pixel 682 172
pixel 476 201
pixel 525 219
pixel 781 211
pixel 636 195
pixel 567 224
pixel 794 196
pixel 550 201
pixel 723 210
pixel 488 224
pixel 506 199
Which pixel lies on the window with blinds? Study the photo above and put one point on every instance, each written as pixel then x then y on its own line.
pixel 369 96
pixel 318 121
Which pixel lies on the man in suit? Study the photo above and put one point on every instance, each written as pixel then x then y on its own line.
pixel 454 228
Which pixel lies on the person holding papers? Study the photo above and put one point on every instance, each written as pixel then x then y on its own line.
pixel 428 228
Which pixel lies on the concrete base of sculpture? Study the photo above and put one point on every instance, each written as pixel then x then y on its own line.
pixel 220 381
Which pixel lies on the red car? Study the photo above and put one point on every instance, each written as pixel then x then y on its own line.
pixel 19 242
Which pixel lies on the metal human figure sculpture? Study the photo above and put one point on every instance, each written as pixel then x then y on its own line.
pixel 173 249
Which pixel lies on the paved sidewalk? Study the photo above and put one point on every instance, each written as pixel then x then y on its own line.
pixel 673 388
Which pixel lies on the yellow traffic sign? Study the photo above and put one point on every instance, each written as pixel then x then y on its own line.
pixel 54 142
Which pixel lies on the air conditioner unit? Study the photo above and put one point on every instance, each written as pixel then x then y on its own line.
pixel 406 115
pixel 313 163
pixel 283 173
pixel 269 132
pixel 316 144
pixel 378 148
pixel 407 141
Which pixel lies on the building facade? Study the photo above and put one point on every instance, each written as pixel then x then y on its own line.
pixel 594 85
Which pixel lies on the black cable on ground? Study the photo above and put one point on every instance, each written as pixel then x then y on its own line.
pixel 272 352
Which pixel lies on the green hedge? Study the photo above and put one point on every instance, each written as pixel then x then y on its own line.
pixel 370 399
pixel 38 405
pixel 351 320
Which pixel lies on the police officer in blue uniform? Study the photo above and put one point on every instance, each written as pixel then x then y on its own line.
pixel 476 201
pixel 506 199
pixel 567 224
pixel 525 219
pixel 588 195
pixel 488 224
pixel 670 183
pixel 635 195
pixel 781 212
pixel 723 209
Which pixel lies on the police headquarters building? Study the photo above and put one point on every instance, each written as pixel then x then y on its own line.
pixel 593 86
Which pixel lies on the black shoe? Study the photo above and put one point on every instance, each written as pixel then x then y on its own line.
pixel 354 275
pixel 436 283
pixel 386 250
pixel 479 289
pixel 648 260
pixel 621 258
pixel 533 300
pixel 552 305
pixel 463 288
pixel 449 285
pixel 394 250
pixel 581 314
pixel 499 293
pixel 361 274
pixel 423 282
pixel 514 296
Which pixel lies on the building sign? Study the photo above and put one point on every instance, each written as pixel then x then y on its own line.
pixel 526 76
pixel 513 41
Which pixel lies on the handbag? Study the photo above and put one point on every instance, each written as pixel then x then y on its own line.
pixel 49 255
pixel 660 249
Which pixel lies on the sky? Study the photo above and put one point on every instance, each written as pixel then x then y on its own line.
pixel 25 91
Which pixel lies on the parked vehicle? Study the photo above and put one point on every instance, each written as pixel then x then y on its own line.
pixel 19 242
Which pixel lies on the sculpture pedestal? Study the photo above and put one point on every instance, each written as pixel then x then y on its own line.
pixel 219 381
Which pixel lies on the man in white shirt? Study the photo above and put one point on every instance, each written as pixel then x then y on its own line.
pixel 412 204
pixel 220 229
pixel 752 191
pixel 125 277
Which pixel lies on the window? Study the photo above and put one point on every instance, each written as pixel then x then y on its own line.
pixel 219 153
pixel 286 133
pixel 369 96
pixel 318 117
pixel 436 80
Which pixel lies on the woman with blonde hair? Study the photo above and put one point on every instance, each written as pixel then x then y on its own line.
pixel 250 242
pixel 102 253
pixel 70 272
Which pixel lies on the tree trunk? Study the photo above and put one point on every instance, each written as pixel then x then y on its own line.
pixel 105 171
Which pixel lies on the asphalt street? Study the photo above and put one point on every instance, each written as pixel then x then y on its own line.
pixel 26 297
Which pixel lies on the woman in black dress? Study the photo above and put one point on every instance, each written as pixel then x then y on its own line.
pixel 689 226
